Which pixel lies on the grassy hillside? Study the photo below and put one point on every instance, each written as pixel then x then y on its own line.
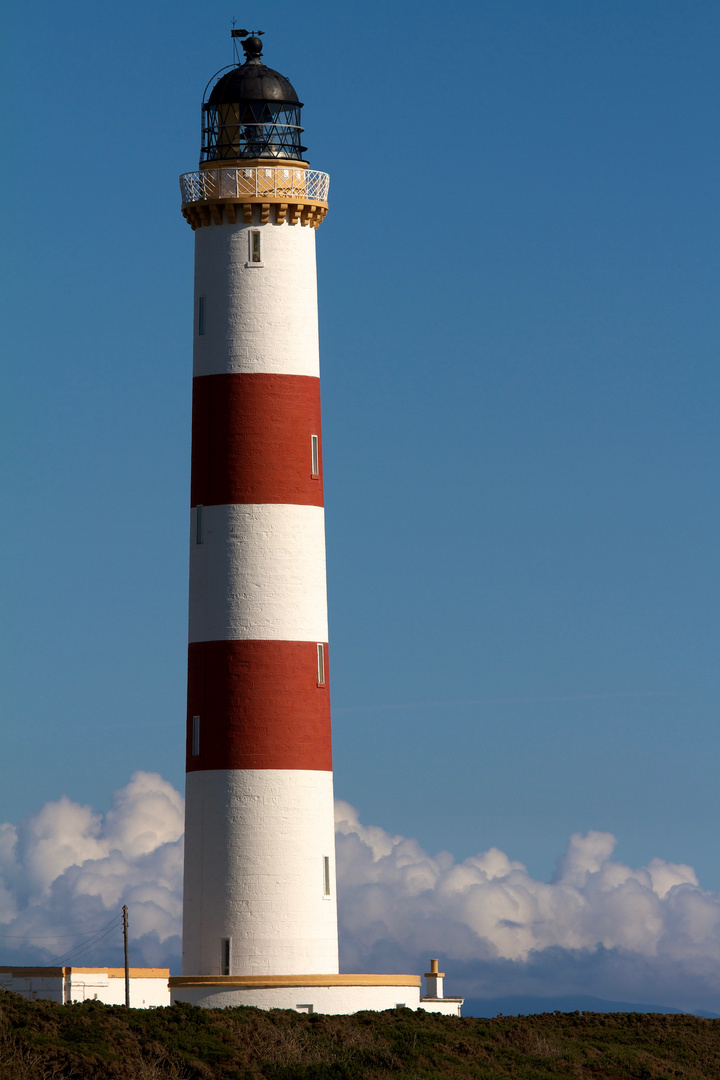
pixel 40 1041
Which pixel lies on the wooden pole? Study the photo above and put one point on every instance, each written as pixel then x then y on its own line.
pixel 127 961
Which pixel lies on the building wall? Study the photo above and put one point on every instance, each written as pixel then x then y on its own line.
pixel 257 318
pixel 258 574
pixel 48 987
pixel 144 993
pixel 319 999
pixel 148 986
pixel 446 1006
pixel 255 841
pixel 335 999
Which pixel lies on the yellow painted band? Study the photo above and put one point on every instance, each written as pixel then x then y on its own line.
pixel 264 982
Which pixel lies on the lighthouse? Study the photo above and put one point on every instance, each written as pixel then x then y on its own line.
pixel 259 907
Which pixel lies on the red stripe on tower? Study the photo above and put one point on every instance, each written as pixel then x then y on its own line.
pixel 253 440
pixel 261 704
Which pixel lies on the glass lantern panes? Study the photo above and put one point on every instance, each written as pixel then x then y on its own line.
pixel 254 129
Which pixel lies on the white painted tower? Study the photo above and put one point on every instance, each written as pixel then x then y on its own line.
pixel 260 915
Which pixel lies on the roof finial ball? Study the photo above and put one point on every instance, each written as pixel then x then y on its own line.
pixel 252 111
pixel 252 47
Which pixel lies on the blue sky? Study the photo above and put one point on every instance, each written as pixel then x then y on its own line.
pixel 518 285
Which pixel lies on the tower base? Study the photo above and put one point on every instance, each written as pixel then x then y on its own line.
pixel 309 993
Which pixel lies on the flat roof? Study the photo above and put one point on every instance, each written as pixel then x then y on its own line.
pixel 111 972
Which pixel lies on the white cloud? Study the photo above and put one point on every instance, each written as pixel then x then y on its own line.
pixel 599 927
pixel 596 928
pixel 66 869
pixel 592 900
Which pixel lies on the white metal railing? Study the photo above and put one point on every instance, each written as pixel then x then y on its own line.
pixel 274 182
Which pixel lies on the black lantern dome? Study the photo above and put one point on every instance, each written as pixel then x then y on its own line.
pixel 252 112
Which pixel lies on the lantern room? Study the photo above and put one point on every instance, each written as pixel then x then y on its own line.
pixel 252 112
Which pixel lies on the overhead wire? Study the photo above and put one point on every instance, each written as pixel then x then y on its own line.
pixel 97 936
pixel 75 957
pixel 77 954
pixel 83 947
pixel 48 937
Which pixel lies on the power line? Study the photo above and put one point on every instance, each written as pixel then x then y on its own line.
pixel 74 956
pixel 46 937
pixel 92 938
pixel 102 933
pixel 77 954
pixel 83 947
pixel 82 929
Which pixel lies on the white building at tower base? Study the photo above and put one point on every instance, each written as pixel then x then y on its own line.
pixel 65 985
pixel 329 994
pixel 152 988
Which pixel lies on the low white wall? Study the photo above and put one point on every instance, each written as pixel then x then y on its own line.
pixel 319 999
pixel 446 1006
pixel 106 985
pixel 110 989
pixel 49 987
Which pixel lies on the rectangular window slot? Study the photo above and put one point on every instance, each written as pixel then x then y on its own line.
pixel 326 875
pixel 199 523
pixel 225 953
pixel 196 736
pixel 255 256
pixel 321 664
pixel 315 454
pixel 201 316
pixel 304 1009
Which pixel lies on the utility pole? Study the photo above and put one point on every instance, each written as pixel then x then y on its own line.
pixel 127 962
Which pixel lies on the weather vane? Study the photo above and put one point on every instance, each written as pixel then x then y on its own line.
pixel 251 51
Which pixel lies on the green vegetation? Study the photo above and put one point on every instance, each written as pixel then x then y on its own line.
pixel 43 1041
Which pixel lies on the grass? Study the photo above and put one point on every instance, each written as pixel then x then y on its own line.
pixel 40 1040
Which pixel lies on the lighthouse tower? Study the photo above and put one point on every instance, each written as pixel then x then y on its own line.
pixel 260 914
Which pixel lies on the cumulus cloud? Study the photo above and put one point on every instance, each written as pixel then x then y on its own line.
pixel 66 871
pixel 598 927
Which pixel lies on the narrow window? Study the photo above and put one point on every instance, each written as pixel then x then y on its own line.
pixel 315 454
pixel 304 1009
pixel 321 664
pixel 255 246
pixel 326 875
pixel 199 523
pixel 225 955
pixel 201 316
pixel 196 736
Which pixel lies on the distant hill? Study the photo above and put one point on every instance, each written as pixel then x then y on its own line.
pixel 527 1004
pixel 40 1040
